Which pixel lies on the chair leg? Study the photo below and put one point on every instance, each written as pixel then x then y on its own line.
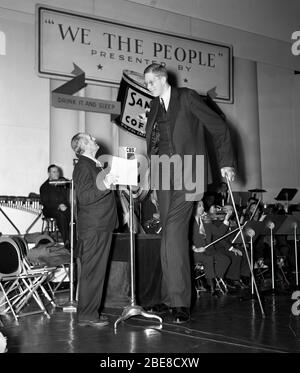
pixel 9 303
pixel 222 287
pixel 32 292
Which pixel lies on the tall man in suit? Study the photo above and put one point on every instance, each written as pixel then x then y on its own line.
pixel 96 218
pixel 175 127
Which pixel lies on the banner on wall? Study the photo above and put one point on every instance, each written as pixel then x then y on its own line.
pixel 105 48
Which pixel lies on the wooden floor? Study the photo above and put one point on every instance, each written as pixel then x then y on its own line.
pixel 219 325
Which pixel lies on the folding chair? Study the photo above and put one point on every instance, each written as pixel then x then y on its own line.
pixel 19 282
pixel 221 285
pixel 199 275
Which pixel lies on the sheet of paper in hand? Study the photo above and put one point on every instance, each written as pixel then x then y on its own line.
pixel 126 170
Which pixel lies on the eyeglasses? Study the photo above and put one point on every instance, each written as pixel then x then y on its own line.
pixel 152 82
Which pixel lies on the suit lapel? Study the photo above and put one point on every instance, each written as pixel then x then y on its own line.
pixel 151 119
pixel 173 108
pixel 171 113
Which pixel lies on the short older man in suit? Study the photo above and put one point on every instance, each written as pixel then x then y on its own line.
pixel 96 218
pixel 175 127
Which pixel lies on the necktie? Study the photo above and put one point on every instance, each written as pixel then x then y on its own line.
pixel 163 104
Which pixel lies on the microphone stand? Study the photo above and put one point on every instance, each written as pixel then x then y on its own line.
pixel 244 244
pixel 296 256
pixel 71 305
pixel 133 309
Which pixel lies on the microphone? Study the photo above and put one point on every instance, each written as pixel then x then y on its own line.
pixel 270 225
pixel 250 232
pixel 59 182
pixel 295 225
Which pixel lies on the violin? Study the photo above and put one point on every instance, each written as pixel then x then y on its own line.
pixel 220 213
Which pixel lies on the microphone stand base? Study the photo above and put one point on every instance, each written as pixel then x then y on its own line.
pixel 135 310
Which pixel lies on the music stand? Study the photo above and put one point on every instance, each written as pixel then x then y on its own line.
pixel 252 230
pixel 257 226
pixel 291 226
pixel 133 309
pixel 286 195
pixel 276 219
pixel 256 190
pixel 272 223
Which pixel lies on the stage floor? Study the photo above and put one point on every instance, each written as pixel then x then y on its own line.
pixel 218 325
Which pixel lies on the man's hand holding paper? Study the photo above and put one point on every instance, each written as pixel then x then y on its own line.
pixel 125 171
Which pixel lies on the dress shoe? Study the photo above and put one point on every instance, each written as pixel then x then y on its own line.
pixel 181 315
pixel 246 280
pixel 243 285
pixel 159 308
pixel 232 284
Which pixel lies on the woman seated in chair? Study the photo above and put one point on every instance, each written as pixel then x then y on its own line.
pixel 203 233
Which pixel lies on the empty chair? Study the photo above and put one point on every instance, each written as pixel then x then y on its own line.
pixel 20 282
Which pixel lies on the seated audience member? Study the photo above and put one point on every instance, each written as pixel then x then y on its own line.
pixel 222 197
pixel 55 201
pixel 204 232
pixel 251 207
pixel 238 270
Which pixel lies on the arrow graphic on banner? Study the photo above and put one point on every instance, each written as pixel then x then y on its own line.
pixel 62 97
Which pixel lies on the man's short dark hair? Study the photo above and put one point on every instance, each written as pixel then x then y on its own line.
pixel 52 166
pixel 157 69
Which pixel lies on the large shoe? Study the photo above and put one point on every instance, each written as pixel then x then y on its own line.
pixel 159 308
pixel 100 323
pixel 243 284
pixel 180 315
pixel 232 284
pixel 236 284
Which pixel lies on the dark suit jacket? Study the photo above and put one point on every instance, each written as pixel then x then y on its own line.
pixel 52 196
pixel 96 209
pixel 212 232
pixel 189 115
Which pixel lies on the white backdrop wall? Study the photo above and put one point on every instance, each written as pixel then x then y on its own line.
pixel 32 134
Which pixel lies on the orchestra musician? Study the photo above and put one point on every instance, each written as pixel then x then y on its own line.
pixel 56 202
pixel 203 232
pixel 237 270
